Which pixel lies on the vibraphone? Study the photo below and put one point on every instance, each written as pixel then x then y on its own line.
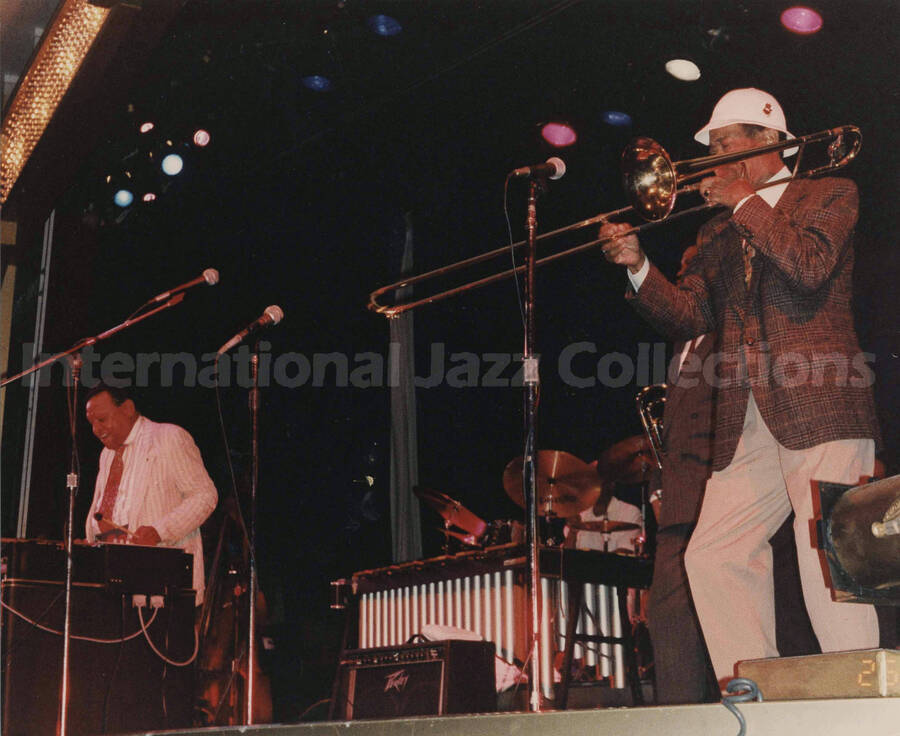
pixel 485 592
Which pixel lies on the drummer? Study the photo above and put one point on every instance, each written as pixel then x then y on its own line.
pixel 628 461
pixel 607 508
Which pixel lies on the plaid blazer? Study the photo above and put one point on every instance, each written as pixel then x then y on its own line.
pixel 687 435
pixel 789 334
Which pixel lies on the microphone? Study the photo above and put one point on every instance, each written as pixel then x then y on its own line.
pixel 209 276
pixel 272 316
pixel 553 167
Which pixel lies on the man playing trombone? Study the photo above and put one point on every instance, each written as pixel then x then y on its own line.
pixel 772 278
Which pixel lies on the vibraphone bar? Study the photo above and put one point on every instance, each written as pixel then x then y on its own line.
pixel 484 592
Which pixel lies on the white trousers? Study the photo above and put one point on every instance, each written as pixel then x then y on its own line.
pixel 729 560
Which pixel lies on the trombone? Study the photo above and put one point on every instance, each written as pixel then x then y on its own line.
pixel 653 183
pixel 650 402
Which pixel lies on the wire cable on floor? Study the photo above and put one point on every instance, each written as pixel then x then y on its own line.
pixel 746 691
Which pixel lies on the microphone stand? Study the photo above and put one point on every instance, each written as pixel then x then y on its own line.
pixel 72 488
pixel 88 341
pixel 529 474
pixel 253 402
pixel 72 479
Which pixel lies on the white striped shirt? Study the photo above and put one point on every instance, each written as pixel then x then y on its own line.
pixel 164 485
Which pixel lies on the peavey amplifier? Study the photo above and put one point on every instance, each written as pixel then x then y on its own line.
pixel 431 678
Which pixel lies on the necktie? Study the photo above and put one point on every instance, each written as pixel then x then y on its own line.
pixel 112 484
pixel 749 251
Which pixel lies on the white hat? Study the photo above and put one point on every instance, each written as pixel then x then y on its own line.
pixel 747 105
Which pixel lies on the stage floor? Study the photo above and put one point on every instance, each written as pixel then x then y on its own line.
pixel 867 717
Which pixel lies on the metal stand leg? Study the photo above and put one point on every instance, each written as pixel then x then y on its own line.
pixel 576 596
pixel 576 599
pixel 633 676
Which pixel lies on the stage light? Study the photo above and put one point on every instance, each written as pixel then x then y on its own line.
pixel 316 82
pixel 172 164
pixel 559 134
pixel 201 138
pixel 146 127
pixel 384 25
pixel 801 20
pixel 55 62
pixel 123 198
pixel 683 69
pixel 149 197
pixel 616 118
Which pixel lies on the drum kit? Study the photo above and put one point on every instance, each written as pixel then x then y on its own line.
pixel 566 488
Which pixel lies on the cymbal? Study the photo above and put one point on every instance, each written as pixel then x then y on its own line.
pixel 606 526
pixel 452 511
pixel 628 461
pixel 565 484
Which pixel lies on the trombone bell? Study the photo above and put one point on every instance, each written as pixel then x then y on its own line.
pixel 649 179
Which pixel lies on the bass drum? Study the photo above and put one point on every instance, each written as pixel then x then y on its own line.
pixel 504 531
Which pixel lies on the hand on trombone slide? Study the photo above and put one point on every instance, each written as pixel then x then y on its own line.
pixel 625 250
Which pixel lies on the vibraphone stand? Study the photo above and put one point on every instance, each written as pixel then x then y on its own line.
pixel 576 599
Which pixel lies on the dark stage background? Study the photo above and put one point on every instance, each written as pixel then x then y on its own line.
pixel 302 199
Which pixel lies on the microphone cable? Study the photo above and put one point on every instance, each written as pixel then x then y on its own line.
pixel 746 691
pixel 38 625
pixel 234 490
